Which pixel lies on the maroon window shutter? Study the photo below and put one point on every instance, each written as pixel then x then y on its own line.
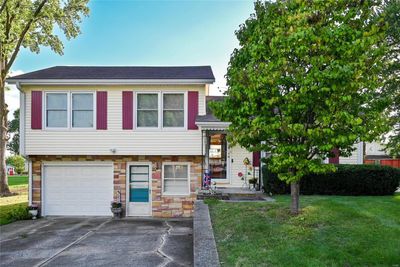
pixel 335 160
pixel 127 110
pixel 193 109
pixel 36 110
pixel 101 111
pixel 256 158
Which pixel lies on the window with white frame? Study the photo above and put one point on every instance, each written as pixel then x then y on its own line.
pixel 173 110
pixel 82 110
pixel 176 180
pixel 57 110
pixel 147 110
pixel 160 110
pixel 69 110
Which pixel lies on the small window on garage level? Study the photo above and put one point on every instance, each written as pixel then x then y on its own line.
pixel 57 110
pixel 176 180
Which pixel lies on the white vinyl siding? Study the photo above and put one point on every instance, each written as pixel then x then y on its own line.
pixel 125 142
pixel 352 159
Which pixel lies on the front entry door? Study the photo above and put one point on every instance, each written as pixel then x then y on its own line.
pixel 218 157
pixel 139 190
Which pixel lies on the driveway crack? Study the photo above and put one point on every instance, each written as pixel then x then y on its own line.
pixel 164 236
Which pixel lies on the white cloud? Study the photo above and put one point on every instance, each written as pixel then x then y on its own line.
pixel 12 96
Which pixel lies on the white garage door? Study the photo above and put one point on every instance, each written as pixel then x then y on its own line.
pixel 80 190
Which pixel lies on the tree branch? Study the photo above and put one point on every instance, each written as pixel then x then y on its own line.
pixel 24 32
pixel 3 5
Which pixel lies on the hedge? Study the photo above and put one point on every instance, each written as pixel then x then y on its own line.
pixel 348 180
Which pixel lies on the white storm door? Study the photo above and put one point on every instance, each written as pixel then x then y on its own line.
pixel 139 190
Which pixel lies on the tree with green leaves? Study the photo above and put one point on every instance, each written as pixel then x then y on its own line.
pixel 31 24
pixel 18 162
pixel 392 73
pixel 13 128
pixel 305 81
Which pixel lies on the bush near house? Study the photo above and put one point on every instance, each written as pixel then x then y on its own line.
pixel 14 208
pixel 348 180
pixel 14 212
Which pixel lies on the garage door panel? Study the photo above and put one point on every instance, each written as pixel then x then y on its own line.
pixel 80 190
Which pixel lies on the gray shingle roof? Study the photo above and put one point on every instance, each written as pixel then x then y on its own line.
pixel 119 73
pixel 209 117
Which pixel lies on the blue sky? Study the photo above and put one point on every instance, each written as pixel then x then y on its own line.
pixel 151 33
pixel 132 32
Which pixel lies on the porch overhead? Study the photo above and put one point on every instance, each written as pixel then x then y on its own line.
pixel 211 125
pixel 209 121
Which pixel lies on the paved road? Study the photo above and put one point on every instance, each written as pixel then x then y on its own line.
pixel 97 242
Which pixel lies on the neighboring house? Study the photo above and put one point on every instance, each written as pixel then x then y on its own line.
pixel 363 152
pixel 375 151
pixel 139 134
pixel 10 170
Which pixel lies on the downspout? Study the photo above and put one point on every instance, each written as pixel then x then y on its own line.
pixel 202 158
pixel 361 152
pixel 22 118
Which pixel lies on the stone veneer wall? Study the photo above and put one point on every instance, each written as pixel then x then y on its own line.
pixel 163 206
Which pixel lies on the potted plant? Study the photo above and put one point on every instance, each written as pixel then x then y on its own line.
pixel 116 209
pixel 253 181
pixel 33 210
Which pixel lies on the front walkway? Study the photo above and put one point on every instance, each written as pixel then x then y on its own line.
pixel 97 241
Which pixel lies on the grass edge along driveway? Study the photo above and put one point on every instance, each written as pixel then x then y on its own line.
pixel 330 231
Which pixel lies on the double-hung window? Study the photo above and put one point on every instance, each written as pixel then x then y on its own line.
pixel 176 178
pixel 69 110
pixel 57 110
pixel 173 110
pixel 147 110
pixel 82 110
pixel 160 110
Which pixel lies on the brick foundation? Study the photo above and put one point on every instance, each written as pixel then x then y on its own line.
pixel 162 206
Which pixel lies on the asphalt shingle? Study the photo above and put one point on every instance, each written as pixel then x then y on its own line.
pixel 120 73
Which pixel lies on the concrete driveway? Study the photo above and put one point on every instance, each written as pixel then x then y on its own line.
pixel 97 242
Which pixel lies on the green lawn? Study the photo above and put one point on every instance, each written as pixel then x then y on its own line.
pixel 13 208
pixel 330 231
pixel 17 180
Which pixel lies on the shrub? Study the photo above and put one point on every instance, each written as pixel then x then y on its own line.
pixel 19 213
pixel 355 180
pixel 18 162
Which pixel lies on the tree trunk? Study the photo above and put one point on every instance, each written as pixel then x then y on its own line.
pixel 4 189
pixel 295 195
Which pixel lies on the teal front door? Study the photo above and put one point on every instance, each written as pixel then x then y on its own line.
pixel 139 190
